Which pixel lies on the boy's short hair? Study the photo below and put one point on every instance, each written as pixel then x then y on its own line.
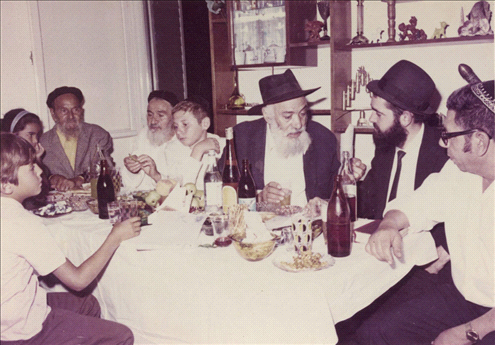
pixel 14 153
pixel 198 110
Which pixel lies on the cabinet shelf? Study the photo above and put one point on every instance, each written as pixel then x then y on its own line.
pixel 324 112
pixel 309 44
pixel 448 40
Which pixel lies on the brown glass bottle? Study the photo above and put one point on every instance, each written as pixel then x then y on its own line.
pixel 104 189
pixel 247 188
pixel 230 175
pixel 339 233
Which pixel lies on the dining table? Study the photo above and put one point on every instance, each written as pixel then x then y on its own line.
pixel 169 285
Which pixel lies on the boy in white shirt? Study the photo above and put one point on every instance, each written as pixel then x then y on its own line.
pixel 191 123
pixel 28 314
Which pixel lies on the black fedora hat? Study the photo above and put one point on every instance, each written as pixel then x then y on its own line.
pixel 279 88
pixel 407 86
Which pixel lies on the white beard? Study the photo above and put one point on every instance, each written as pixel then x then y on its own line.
pixel 158 138
pixel 70 133
pixel 288 147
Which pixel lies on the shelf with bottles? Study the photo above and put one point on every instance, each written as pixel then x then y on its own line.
pixel 422 43
pixel 271 33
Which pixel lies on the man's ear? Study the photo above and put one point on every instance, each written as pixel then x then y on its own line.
pixel 480 143
pixel 6 188
pixel 205 123
pixel 406 118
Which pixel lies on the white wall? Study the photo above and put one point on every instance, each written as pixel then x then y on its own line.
pixel 100 47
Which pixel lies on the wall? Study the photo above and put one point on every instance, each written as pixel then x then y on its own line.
pixel 439 60
pixel 99 46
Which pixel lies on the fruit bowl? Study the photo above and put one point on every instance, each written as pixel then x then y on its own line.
pixel 255 251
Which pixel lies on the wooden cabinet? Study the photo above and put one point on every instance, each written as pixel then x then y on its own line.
pixel 440 57
pixel 285 20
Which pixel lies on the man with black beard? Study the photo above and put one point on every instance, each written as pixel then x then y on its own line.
pixel 72 143
pixel 401 103
pixel 406 152
pixel 286 150
pixel 156 150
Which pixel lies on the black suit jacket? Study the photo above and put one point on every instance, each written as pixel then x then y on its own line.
pixel 373 190
pixel 320 160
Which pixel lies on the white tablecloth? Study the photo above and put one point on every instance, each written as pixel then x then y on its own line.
pixel 177 292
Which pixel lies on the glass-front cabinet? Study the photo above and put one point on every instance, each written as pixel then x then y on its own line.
pixel 270 32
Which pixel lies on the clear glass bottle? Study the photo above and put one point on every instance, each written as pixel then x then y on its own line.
pixel 247 188
pixel 349 184
pixel 230 175
pixel 213 185
pixel 339 233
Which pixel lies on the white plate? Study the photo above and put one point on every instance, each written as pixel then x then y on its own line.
pixel 283 262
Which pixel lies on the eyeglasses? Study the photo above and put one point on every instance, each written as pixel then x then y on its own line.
pixel 447 135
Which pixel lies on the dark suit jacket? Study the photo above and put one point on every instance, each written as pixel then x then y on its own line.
pixel 56 160
pixel 372 191
pixel 320 160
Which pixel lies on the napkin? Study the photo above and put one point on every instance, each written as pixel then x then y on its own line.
pixel 177 200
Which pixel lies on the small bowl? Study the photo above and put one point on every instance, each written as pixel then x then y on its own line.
pixel 93 205
pixel 255 251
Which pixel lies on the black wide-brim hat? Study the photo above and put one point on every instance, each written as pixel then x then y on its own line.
pixel 279 88
pixel 406 86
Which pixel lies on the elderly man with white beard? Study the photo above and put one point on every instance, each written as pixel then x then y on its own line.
pixel 156 150
pixel 285 148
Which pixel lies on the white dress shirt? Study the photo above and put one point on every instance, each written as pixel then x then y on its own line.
pixel 289 172
pixel 457 198
pixel 166 156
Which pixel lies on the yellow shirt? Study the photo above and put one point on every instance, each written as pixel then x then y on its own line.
pixel 70 147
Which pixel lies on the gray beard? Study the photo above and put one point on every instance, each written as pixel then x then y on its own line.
pixel 158 138
pixel 288 147
pixel 70 133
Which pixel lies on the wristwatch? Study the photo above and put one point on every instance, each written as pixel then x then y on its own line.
pixel 471 334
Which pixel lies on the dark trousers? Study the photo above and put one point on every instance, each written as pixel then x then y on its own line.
pixel 76 320
pixel 419 318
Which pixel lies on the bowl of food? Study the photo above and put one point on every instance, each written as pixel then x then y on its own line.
pixel 79 202
pixel 255 251
pixel 93 205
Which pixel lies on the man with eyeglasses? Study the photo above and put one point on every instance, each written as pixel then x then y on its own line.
pixel 72 143
pixel 462 195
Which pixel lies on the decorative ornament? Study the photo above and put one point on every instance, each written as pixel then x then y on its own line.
pixel 410 31
pixel 478 22
pixel 441 32
pixel 314 27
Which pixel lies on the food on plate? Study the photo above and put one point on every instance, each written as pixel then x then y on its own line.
pixel 55 209
pixel 55 196
pixel 288 210
pixel 255 251
pixel 307 260
pixel 164 187
pixel 190 188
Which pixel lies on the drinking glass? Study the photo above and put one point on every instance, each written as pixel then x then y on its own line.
pixel 220 224
pixel 128 208
pixel 113 211
pixel 302 232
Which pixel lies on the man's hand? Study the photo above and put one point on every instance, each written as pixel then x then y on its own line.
pixel 203 147
pixel 383 243
pixel 132 164
pixel 149 167
pixel 358 168
pixel 272 193
pixel 452 336
pixel 127 229
pixel 63 184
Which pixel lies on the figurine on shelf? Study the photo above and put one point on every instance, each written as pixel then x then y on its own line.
pixel 314 27
pixel 410 32
pixel 478 22
pixel 441 31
